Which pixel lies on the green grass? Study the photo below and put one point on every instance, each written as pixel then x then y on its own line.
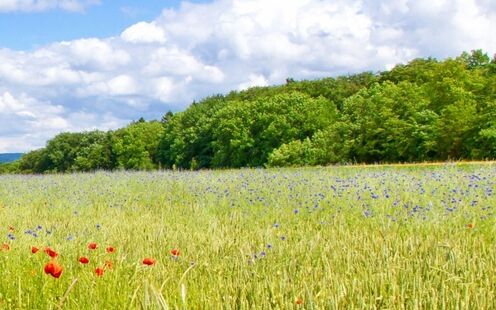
pixel 370 237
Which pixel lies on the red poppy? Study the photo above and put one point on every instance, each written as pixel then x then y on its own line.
pixel 298 301
pixel 92 246
pixel 34 250
pixel 108 264
pixel 110 249
pixel 148 261
pixel 470 225
pixel 175 252
pixel 99 271
pixel 5 246
pixel 53 269
pixel 84 260
pixel 51 252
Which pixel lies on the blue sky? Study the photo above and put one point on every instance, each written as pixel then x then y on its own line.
pixel 23 30
pixel 75 65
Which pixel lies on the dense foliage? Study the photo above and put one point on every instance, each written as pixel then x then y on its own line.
pixel 424 110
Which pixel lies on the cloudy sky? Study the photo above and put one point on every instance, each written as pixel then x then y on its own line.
pixel 73 65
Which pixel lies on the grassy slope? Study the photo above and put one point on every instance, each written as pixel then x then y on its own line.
pixel 334 237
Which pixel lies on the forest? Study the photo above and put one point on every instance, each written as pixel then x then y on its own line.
pixel 426 110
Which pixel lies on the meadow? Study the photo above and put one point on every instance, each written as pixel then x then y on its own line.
pixel 416 237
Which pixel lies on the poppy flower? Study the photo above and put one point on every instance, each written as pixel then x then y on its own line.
pixel 51 252
pixel 84 260
pixel 92 246
pixel 148 261
pixel 53 269
pixel 99 271
pixel 108 264
pixel 470 225
pixel 110 249
pixel 298 301
pixel 5 246
pixel 175 252
pixel 34 250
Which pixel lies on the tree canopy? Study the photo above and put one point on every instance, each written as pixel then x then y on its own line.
pixel 424 110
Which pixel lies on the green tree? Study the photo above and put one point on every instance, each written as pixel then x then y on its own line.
pixel 136 146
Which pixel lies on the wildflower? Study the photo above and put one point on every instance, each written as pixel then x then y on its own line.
pixel 99 271
pixel 92 246
pixel 5 246
pixel 298 301
pixel 110 249
pixel 148 261
pixel 470 225
pixel 175 252
pixel 11 236
pixel 11 228
pixel 53 269
pixel 51 252
pixel 108 264
pixel 84 260
pixel 34 250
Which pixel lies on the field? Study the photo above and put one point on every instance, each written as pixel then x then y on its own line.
pixel 345 237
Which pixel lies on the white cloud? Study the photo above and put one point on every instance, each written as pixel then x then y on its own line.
pixel 144 32
pixel 253 80
pixel 198 50
pixel 122 85
pixel 27 123
pixel 43 5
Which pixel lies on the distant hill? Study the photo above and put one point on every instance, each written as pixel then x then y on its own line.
pixel 9 157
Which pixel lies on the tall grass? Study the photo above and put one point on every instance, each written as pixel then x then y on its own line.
pixel 347 238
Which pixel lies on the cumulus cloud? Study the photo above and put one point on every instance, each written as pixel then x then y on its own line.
pixel 27 123
pixel 144 32
pixel 197 50
pixel 43 5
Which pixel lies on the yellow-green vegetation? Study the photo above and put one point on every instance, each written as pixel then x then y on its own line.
pixel 322 238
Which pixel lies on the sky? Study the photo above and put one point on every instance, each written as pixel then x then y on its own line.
pixel 77 65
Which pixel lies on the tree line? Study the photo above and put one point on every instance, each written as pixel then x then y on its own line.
pixel 426 110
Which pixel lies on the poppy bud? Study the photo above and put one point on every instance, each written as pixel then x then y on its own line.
pixel 148 261
pixel 92 246
pixel 84 260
